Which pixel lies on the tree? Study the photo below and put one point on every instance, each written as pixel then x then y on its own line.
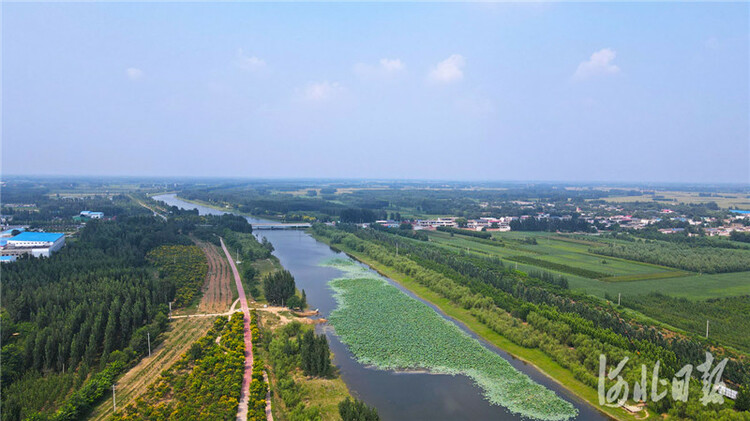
pixel 294 302
pixel 743 399
pixel 315 354
pixel 356 410
pixel 279 287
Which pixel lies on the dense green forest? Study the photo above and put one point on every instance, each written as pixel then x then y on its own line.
pixel 694 259
pixel 572 329
pixel 86 312
pixel 204 384
pixel 89 304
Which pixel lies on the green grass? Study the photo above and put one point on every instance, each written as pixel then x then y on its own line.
pixel 386 328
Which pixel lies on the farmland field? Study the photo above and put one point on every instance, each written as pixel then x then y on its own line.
pixel 628 277
pixel 550 248
pixel 725 200
pixel 386 328
pixel 693 286
pixel 182 334
pixel 729 322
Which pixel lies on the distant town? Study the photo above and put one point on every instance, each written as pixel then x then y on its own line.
pixel 736 221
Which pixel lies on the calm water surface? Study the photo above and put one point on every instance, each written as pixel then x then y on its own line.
pixel 396 395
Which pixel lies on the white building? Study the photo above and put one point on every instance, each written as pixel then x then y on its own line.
pixel 38 244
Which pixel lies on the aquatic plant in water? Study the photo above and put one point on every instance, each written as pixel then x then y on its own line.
pixel 388 329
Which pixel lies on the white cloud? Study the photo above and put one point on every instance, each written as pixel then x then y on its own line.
pixel 321 91
pixel 391 65
pixel 249 63
pixel 133 73
pixel 600 63
pixel 712 43
pixel 385 67
pixel 448 70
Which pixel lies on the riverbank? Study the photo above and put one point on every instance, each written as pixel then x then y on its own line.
pixel 534 357
pixel 320 395
pixel 230 209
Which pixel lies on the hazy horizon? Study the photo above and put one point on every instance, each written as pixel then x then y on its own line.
pixel 553 92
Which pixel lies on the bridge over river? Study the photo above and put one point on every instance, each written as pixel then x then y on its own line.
pixel 299 226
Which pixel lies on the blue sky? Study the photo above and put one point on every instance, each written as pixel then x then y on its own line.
pixel 544 91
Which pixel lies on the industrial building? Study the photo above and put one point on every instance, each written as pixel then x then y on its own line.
pixel 92 215
pixel 37 244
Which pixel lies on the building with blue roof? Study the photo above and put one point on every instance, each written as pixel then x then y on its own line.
pixel 9 231
pixel 38 244
pixel 7 259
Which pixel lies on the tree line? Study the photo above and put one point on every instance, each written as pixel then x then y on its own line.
pixel 573 329
pixel 694 259
pixel 574 224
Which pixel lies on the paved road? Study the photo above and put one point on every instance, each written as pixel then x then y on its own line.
pixel 244 394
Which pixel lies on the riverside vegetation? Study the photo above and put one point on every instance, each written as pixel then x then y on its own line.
pixel 571 329
pixel 303 378
pixel 390 330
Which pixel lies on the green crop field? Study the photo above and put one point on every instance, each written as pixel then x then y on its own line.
pixel 628 278
pixel 386 328
pixel 692 286
pixel 554 250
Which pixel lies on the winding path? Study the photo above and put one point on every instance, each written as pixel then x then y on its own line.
pixel 244 394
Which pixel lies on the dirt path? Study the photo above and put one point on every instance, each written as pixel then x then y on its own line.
pixel 287 316
pixel 244 394
pixel 269 413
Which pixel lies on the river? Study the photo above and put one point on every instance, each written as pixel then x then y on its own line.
pixel 396 395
